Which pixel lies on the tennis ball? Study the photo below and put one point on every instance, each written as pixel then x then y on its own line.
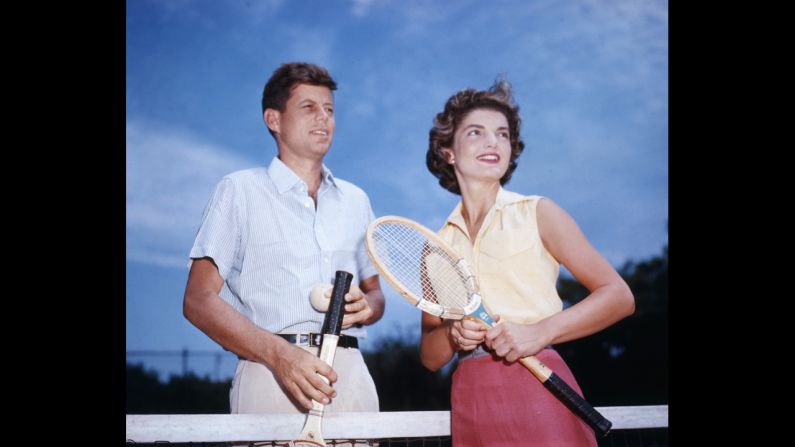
pixel 318 296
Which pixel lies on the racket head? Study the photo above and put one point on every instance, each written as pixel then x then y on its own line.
pixel 422 267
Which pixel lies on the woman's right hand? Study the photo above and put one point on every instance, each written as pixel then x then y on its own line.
pixel 467 334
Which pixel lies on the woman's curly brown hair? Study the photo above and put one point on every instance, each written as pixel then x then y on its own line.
pixel 499 98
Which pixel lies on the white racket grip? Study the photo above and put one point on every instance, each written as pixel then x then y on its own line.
pixel 327 351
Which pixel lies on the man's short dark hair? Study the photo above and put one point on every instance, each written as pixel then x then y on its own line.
pixel 286 77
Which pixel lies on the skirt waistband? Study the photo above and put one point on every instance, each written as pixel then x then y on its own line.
pixel 480 351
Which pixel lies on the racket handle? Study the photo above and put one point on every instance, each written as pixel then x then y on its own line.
pixel 311 434
pixel 578 405
pixel 332 324
pixel 568 396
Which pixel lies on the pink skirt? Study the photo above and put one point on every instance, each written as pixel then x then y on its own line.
pixel 499 404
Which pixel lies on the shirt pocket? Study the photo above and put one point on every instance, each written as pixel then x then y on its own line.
pixel 276 263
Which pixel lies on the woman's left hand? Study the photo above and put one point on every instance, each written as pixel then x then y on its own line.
pixel 513 341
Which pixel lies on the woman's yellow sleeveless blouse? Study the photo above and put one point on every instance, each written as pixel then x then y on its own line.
pixel 516 274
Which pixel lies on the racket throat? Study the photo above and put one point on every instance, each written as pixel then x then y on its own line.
pixel 311 434
pixel 477 311
pixel 439 310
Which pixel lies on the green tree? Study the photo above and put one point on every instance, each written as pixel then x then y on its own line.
pixel 402 382
pixel 627 363
pixel 186 394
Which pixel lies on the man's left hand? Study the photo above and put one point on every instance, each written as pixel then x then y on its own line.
pixel 357 308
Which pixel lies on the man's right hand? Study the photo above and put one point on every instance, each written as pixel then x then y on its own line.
pixel 295 369
pixel 299 373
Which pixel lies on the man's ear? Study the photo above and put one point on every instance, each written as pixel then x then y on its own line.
pixel 271 117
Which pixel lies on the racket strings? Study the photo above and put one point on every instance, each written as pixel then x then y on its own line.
pixel 423 268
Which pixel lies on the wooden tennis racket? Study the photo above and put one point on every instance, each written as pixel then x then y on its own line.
pixel 432 276
pixel 311 435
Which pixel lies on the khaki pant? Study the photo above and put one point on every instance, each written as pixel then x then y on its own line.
pixel 255 389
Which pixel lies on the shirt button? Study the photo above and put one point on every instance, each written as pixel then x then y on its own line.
pixel 308 203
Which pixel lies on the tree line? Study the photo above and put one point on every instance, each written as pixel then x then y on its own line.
pixel 626 364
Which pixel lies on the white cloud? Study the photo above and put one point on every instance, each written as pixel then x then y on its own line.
pixel 360 8
pixel 310 44
pixel 258 10
pixel 170 175
pixel 210 14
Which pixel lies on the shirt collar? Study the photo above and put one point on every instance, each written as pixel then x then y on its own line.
pixel 285 179
pixel 504 198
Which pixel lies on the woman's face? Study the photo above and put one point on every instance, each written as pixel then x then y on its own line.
pixel 481 148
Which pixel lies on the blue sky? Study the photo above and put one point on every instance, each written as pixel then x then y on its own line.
pixel 591 79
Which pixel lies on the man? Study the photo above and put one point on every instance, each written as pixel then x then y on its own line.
pixel 267 236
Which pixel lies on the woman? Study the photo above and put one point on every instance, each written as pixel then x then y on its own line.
pixel 515 244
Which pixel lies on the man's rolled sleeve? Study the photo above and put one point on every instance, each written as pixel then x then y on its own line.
pixel 219 234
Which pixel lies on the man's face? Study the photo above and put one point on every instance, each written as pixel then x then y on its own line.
pixel 306 126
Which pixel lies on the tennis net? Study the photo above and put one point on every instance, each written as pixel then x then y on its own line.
pixel 632 426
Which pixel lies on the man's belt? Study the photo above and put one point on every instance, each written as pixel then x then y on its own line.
pixel 312 339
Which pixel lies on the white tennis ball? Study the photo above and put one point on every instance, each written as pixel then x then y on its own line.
pixel 318 296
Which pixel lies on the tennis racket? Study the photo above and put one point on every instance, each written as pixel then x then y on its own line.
pixel 311 435
pixel 432 276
